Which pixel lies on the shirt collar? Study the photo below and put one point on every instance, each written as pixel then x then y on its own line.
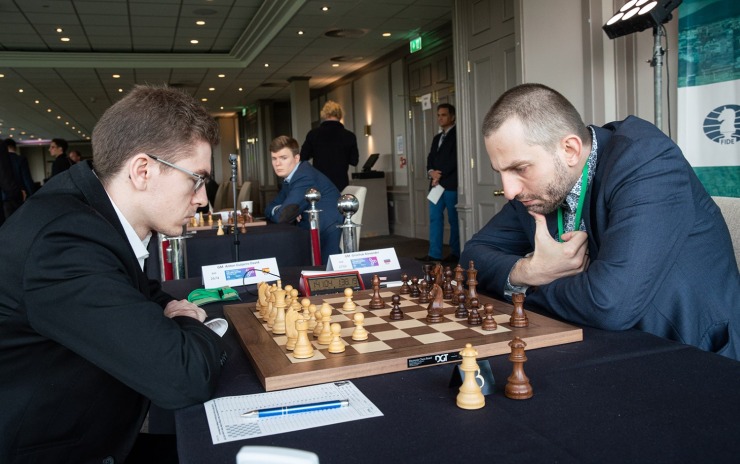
pixel 290 176
pixel 137 245
pixel 571 200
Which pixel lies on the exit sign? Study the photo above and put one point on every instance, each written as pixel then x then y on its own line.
pixel 415 45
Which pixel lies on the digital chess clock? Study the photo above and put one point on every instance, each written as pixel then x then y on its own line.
pixel 323 283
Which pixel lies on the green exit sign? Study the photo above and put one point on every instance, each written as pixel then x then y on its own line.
pixel 415 45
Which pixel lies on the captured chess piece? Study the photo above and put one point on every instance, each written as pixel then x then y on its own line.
pixel 360 333
pixel 489 323
pixel 336 345
pixel 303 348
pixel 518 316
pixel 396 313
pixel 518 387
pixel 470 396
pixel 349 304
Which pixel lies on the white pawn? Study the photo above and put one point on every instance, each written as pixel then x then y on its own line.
pixel 349 304
pixel 325 336
pixel 359 333
pixel 303 348
pixel 312 318
pixel 336 345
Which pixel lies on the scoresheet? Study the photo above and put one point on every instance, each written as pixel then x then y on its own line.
pixel 226 423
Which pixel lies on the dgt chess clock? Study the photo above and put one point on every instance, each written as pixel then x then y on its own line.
pixel 322 283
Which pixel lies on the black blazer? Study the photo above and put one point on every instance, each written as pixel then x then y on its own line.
pixel 84 344
pixel 333 150
pixel 444 158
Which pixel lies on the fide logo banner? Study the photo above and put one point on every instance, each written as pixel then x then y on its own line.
pixel 722 125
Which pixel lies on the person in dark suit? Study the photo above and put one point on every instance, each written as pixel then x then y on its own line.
pixel 605 226
pixel 442 171
pixel 332 147
pixel 58 149
pixel 86 340
pixel 291 204
pixel 21 169
pixel 10 187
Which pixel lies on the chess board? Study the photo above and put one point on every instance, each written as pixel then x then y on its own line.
pixel 392 346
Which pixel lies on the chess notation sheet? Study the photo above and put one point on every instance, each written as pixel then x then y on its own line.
pixel 226 423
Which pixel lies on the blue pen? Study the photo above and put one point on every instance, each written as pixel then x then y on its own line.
pixel 283 410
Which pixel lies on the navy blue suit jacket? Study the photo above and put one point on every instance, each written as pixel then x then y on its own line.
pixel 333 150
pixel 294 193
pixel 444 158
pixel 661 255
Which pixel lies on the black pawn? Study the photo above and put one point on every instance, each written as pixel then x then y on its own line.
pixel 462 311
pixel 423 292
pixel 396 313
pixel 405 290
pixel 474 317
pixel 414 288
pixel 489 323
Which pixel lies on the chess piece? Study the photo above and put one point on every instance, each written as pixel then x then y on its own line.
pixel 303 348
pixel 325 335
pixel 415 292
pixel 472 283
pixel 360 333
pixel 459 289
pixel 470 396
pixel 427 269
pixel 518 387
pixel 262 298
pixel 349 304
pixel 474 316
pixel 447 284
pixel 435 312
pixel 437 275
pixel 489 323
pixel 278 326
pixel 405 290
pixel 518 316
pixel 210 219
pixel 312 318
pixel 220 228
pixel 396 313
pixel 291 317
pixel 461 312
pixel 336 345
pixel 305 311
pixel 423 292
pixel 376 302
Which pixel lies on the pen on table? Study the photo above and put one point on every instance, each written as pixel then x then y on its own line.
pixel 283 410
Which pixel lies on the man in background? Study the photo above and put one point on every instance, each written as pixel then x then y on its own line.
pixel 74 156
pixel 442 173
pixel 58 149
pixel 20 166
pixel 86 340
pixel 605 226
pixel 290 204
pixel 332 147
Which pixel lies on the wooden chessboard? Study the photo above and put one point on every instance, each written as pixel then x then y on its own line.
pixel 392 345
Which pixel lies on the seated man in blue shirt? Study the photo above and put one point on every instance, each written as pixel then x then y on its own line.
pixel 290 203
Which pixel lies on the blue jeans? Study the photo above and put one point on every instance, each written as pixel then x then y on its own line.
pixel 437 224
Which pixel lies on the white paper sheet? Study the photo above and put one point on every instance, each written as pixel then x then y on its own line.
pixel 226 423
pixel 435 193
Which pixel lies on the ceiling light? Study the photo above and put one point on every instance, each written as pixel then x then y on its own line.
pixel 59 117
pixel 23 132
pixel 211 89
pixel 194 41
pixel 222 107
pixel 116 76
pixel 48 110
pixel 36 101
pixel 267 65
pixel 120 90
pixel 59 29
pixel 200 23
pixel 204 99
pixel 335 65
pixel 324 8
pixel 222 75
pixel 240 89
pixel 300 32
pixel 2 75
pixel 386 34
pixel 66 123
pixel 64 39
pixel 73 127
pixel 20 90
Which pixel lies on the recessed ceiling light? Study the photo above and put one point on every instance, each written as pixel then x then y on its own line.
pixel 64 39
pixel 194 41
pixel 324 8
pixel 267 65
pixel 36 101
pixel 204 99
pixel 222 107
pixel 222 75
pixel 59 117
pixel 2 75
pixel 48 110
pixel 211 89
pixel 66 123
pixel 335 65
pixel 116 76
pixel 20 90
pixel 200 23
pixel 120 90
pixel 240 89
pixel 386 34
pixel 59 29
pixel 73 127
pixel 23 132
pixel 300 32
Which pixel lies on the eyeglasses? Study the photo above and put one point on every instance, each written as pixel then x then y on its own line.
pixel 200 180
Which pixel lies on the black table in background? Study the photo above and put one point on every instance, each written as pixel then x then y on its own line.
pixel 615 397
pixel 288 244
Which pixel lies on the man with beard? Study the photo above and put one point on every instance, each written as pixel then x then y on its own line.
pixel 605 226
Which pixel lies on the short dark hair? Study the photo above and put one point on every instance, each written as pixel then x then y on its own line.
pixel 159 120
pixel 545 114
pixel 10 143
pixel 449 107
pixel 61 143
pixel 283 141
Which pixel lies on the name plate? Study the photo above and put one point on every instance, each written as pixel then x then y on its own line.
pixel 365 262
pixel 240 273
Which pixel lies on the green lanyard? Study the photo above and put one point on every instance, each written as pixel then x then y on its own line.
pixel 579 209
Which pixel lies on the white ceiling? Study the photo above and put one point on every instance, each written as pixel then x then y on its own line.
pixel 67 85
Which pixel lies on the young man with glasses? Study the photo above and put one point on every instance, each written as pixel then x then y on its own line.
pixel 86 341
